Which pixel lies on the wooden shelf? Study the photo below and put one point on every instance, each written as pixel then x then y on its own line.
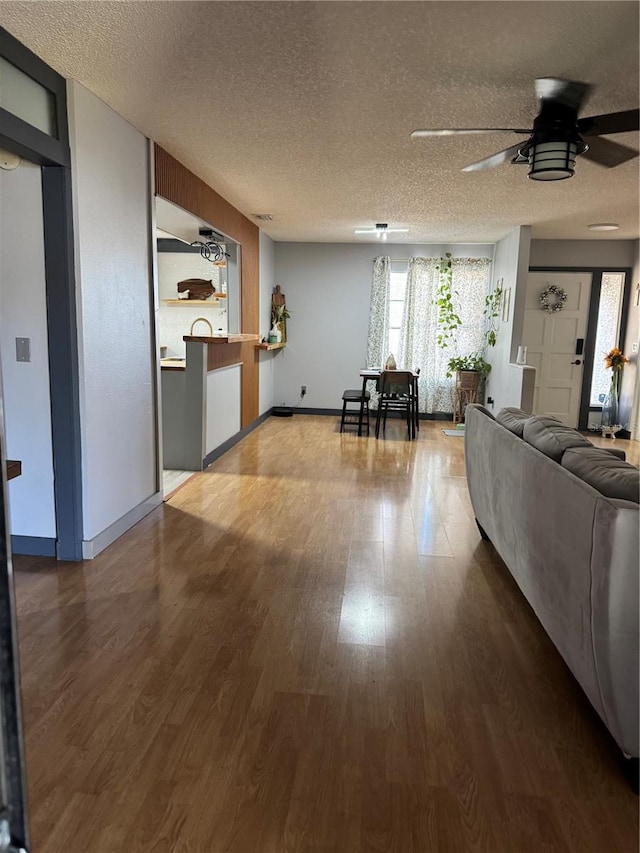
pixel 270 346
pixel 14 468
pixel 188 302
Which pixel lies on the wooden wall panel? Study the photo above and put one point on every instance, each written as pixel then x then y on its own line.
pixel 175 183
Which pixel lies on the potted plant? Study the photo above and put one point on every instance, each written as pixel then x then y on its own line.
pixel 468 364
pixel 279 314
pixel 472 368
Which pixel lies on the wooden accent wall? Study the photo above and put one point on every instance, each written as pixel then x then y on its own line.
pixel 175 183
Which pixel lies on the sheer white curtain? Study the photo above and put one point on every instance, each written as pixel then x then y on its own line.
pixel 377 341
pixel 418 347
pixel 418 336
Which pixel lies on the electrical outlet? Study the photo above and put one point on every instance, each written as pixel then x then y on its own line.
pixel 634 346
pixel 303 390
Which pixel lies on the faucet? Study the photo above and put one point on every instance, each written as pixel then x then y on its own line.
pixel 204 320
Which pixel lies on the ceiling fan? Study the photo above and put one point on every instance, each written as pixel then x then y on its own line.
pixel 557 135
pixel 381 230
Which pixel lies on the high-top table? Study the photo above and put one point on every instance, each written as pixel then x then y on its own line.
pixel 372 374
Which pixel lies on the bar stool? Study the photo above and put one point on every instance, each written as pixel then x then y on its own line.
pixel 351 417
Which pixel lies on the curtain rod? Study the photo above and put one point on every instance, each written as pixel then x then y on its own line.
pixel 406 260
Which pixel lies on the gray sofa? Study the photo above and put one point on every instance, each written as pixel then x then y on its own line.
pixel 563 515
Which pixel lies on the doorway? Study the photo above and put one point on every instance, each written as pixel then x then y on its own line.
pixel 567 344
pixel 197 272
pixel 555 341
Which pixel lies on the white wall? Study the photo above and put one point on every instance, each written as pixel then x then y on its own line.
pixel 111 195
pixel 511 264
pixel 23 313
pixel 175 320
pixel 268 360
pixel 222 405
pixel 327 287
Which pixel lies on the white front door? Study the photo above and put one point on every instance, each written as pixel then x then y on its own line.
pixel 551 340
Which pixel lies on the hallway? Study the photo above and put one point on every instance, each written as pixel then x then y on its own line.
pixel 307 649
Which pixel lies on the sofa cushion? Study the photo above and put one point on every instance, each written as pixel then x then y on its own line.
pixel 615 451
pixel 482 409
pixel 513 419
pixel 608 475
pixel 551 437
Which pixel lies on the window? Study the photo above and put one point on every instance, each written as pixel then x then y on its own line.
pixel 403 320
pixel 607 333
pixel 26 98
pixel 397 291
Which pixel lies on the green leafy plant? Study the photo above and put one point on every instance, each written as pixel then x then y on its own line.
pixel 473 361
pixel 279 313
pixel 448 319
pixel 491 312
pixel 468 362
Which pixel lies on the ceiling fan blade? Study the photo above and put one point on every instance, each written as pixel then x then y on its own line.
pixel 496 159
pixel 623 122
pixel 571 93
pixel 453 131
pixel 608 153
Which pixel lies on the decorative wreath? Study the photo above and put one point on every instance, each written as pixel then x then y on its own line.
pixel 552 299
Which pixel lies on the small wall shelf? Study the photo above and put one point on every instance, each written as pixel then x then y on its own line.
pixel 270 346
pixel 188 302
pixel 14 468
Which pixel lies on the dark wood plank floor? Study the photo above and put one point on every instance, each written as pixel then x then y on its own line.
pixel 308 650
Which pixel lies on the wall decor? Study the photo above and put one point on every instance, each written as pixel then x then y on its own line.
pixel 506 305
pixel 552 299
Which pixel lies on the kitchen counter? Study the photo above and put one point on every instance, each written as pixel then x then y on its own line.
pixel 173 364
pixel 221 339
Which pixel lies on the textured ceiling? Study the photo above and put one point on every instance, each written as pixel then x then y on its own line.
pixel 303 110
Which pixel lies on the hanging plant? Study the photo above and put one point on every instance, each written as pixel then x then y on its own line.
pixel 552 299
pixel 491 312
pixel 448 320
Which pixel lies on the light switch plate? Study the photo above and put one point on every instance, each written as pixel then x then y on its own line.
pixel 23 349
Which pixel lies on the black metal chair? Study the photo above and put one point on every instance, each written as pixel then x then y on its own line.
pixel 416 394
pixel 352 417
pixel 397 394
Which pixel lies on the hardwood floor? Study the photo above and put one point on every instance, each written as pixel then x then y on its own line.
pixel 308 649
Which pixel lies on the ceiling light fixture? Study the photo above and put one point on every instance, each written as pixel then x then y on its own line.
pixel 381 230
pixel 604 226
pixel 552 160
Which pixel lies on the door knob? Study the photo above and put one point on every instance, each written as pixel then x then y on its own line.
pixel 577 361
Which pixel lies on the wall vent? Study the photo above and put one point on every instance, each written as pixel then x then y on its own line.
pixel 263 217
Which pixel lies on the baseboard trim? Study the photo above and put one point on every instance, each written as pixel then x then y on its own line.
pixel 33 546
pixel 231 442
pixel 92 547
pixel 435 416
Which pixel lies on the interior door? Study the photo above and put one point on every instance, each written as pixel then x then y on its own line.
pixel 553 343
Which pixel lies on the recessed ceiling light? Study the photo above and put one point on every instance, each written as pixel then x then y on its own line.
pixel 604 226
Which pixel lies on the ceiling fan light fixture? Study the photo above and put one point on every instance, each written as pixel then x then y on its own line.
pixel 552 161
